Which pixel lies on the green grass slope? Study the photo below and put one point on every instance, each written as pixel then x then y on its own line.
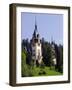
pixel 37 71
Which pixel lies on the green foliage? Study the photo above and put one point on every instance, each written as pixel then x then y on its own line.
pixel 32 63
pixel 42 65
pixel 23 58
pixel 47 53
pixel 42 70
pixel 25 71
pixel 23 65
pixel 45 68
pixel 60 69
pixel 33 71
pixel 59 57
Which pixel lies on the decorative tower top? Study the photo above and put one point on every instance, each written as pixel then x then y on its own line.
pixel 35 34
pixel 52 42
pixel 35 24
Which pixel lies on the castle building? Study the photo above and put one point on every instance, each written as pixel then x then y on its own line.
pixel 54 62
pixel 36 47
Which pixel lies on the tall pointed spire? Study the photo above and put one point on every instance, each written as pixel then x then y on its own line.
pixel 35 24
pixel 35 30
pixel 51 38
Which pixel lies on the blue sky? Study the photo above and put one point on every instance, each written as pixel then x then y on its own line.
pixel 49 26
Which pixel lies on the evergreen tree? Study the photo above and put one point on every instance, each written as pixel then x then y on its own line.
pixel 46 52
pixel 59 57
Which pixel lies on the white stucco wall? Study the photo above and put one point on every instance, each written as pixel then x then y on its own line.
pixel 37 50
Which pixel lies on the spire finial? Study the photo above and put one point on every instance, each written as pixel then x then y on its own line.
pixel 35 24
pixel 35 34
pixel 51 39
pixel 35 20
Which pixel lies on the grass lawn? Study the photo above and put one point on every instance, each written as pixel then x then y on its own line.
pixel 37 71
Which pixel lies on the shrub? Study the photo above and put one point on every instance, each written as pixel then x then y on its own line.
pixel 25 70
pixel 42 72
pixel 33 71
pixel 42 65
pixel 24 67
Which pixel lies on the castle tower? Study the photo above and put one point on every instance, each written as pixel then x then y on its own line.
pixel 53 53
pixel 36 46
